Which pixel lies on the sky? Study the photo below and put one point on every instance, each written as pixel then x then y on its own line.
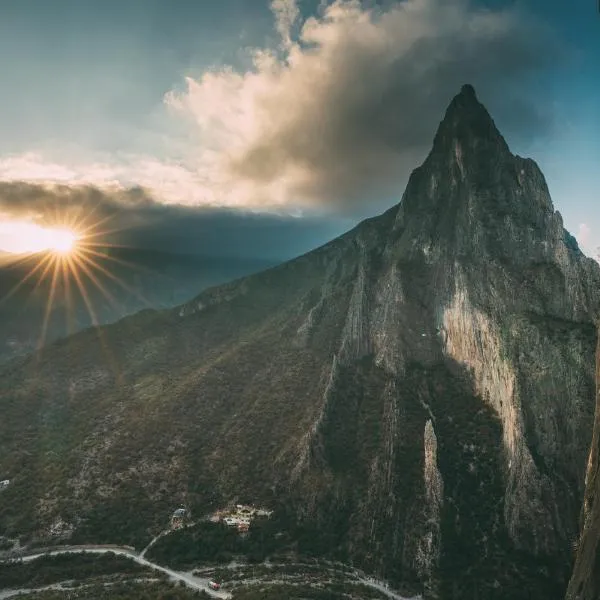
pixel 265 127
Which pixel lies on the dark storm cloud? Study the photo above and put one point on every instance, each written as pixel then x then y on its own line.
pixel 343 114
pixel 134 218
pixel 234 233
pixel 84 205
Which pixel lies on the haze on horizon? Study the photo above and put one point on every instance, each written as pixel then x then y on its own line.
pixel 266 128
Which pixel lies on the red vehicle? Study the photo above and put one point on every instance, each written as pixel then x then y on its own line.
pixel 213 585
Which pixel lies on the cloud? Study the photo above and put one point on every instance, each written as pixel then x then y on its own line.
pixel 583 234
pixel 329 120
pixel 587 241
pixel 286 14
pixel 105 213
pixel 335 118
pixel 32 167
pixel 135 218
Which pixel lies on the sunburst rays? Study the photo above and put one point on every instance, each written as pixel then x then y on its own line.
pixel 76 270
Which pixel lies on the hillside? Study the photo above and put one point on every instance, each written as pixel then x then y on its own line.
pixel 585 582
pixel 416 396
pixel 138 279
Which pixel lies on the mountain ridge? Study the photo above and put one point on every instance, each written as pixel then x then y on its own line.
pixel 131 279
pixel 390 392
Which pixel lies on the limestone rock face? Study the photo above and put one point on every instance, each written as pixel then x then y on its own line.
pixel 585 582
pixel 417 396
pixel 474 274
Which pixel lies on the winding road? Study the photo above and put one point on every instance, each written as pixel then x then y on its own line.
pixel 188 579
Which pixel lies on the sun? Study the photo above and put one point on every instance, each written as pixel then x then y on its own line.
pixel 29 238
pixel 68 259
pixel 62 241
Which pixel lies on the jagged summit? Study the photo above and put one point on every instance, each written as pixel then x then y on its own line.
pixel 468 123
pixel 468 90
pixel 471 186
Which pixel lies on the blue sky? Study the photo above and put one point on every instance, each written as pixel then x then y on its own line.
pixel 117 93
pixel 571 156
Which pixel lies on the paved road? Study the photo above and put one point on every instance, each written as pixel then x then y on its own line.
pixel 191 581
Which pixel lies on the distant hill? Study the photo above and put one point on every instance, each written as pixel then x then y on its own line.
pixel 139 279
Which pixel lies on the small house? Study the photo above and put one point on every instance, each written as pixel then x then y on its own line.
pixel 178 518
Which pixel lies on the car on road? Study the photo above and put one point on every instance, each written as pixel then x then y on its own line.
pixel 214 585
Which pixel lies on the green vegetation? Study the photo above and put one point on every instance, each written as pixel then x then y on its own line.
pixel 62 567
pixel 122 591
pixel 478 558
pixel 356 433
pixel 314 580
pixel 216 543
pixel 317 569
pixel 6 544
pixel 335 591
pixel 122 520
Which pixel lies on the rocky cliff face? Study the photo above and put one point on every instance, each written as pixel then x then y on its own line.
pixel 418 394
pixel 585 582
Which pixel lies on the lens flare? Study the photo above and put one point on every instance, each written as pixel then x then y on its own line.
pixel 71 257
pixel 22 237
pixel 62 241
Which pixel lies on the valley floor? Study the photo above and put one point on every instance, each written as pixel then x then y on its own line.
pixel 239 581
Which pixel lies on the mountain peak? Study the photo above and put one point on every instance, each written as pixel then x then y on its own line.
pixel 470 183
pixel 467 90
pixel 468 122
pixel 465 101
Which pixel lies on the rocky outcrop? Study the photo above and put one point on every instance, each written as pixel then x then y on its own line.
pixel 430 542
pixel 417 396
pixel 585 582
